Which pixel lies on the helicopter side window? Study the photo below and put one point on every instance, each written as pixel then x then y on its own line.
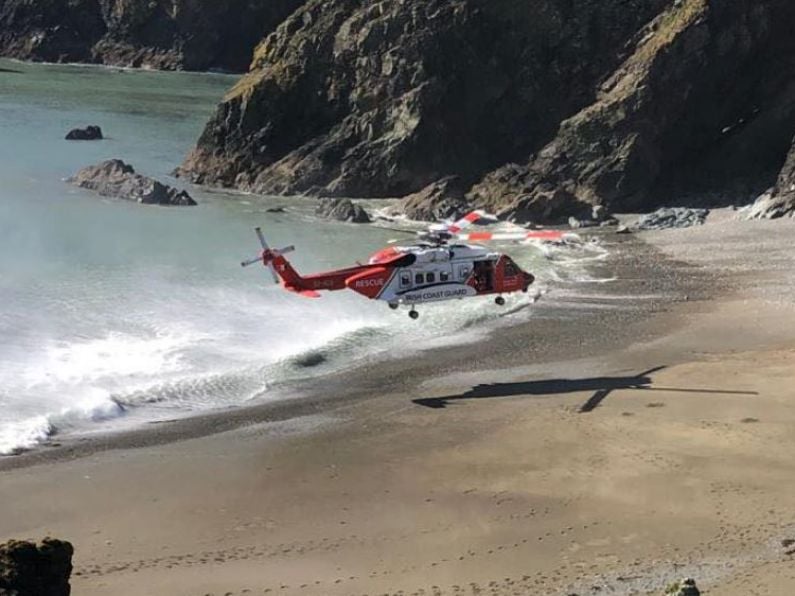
pixel 444 276
pixel 511 270
pixel 463 272
pixel 405 280
pixel 419 279
pixel 430 278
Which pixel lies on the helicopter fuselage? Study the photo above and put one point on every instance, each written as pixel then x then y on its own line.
pixel 410 275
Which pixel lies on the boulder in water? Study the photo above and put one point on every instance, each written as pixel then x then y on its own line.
pixel 114 178
pixel 672 217
pixel 33 569
pixel 342 210
pixel 89 133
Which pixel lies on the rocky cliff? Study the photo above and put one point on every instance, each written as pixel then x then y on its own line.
pixel 702 111
pixel 540 108
pixel 362 98
pixel 167 34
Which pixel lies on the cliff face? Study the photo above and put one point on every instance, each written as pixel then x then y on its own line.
pixel 541 108
pixel 362 98
pixel 168 34
pixel 702 110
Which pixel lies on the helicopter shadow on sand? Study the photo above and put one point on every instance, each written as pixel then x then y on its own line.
pixel 600 386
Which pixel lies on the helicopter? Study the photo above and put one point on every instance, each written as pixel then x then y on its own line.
pixel 445 263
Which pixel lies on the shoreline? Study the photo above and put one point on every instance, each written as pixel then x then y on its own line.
pixel 501 349
pixel 660 446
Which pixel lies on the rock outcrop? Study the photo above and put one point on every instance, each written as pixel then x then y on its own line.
pixel 167 34
pixel 703 105
pixel 671 217
pixel 780 200
pixel 342 210
pixel 114 178
pixel 541 109
pixel 89 133
pixel 35 569
pixel 440 200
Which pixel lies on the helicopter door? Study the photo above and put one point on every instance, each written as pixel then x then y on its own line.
pixel 484 276
pixel 464 270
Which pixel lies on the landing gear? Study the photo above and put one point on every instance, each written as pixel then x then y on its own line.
pixel 393 305
pixel 414 314
pixel 500 301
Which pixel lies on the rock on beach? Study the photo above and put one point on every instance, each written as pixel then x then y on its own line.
pixel 29 569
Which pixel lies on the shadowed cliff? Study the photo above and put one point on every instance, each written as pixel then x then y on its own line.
pixel 163 34
pixel 539 109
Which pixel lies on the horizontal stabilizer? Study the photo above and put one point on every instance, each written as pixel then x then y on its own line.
pixel 304 293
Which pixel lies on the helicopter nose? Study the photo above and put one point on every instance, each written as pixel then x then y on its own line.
pixel 529 278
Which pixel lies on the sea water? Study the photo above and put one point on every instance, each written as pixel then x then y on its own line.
pixel 113 313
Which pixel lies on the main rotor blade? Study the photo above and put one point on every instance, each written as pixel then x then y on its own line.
pixel 549 235
pixel 251 261
pixel 275 275
pixel 261 239
pixel 469 219
pixel 399 230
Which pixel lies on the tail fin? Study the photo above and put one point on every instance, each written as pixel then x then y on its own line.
pixel 280 267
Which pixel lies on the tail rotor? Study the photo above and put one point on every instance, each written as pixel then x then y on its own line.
pixel 267 255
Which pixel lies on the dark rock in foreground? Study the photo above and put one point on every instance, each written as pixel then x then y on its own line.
pixel 342 210
pixel 114 178
pixel 89 133
pixel 671 217
pixel 28 569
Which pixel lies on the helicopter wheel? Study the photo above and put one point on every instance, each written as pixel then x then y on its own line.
pixel 414 314
pixel 393 305
pixel 500 301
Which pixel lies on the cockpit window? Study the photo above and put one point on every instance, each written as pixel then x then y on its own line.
pixel 511 270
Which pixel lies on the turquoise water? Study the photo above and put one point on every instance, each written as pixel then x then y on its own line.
pixel 112 313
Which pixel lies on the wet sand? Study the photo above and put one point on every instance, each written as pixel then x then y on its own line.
pixel 622 449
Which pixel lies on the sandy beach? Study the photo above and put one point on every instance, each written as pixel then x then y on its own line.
pixel 635 449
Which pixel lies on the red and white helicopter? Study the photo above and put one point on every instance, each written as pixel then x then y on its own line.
pixel 441 266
